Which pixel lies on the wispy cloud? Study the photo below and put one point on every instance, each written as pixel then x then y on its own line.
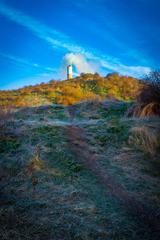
pixel 60 41
pixel 26 62
pixel 53 37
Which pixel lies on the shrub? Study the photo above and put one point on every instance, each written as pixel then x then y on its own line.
pixel 151 89
pixel 148 101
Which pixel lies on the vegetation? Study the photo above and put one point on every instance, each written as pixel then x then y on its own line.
pixel 147 137
pixel 84 87
pixel 47 194
pixel 148 101
pixel 82 172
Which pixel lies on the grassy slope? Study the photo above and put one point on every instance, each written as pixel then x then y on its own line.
pixel 47 194
pixel 84 87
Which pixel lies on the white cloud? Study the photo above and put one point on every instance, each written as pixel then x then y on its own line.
pixel 80 62
pixel 60 41
pixel 137 71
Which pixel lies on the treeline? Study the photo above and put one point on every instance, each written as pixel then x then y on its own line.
pixel 67 92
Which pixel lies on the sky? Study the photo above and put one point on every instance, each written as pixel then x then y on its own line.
pixel 39 38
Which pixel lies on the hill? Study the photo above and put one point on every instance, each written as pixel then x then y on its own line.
pixel 67 92
pixel 82 170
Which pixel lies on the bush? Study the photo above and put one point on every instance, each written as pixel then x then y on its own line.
pixel 148 101
pixel 151 91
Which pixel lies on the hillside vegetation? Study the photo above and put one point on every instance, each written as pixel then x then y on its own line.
pixel 83 171
pixel 84 87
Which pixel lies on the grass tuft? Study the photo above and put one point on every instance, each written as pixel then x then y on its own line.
pixel 145 138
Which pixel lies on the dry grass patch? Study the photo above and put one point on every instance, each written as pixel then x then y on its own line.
pixel 36 164
pixel 142 110
pixel 151 109
pixel 146 138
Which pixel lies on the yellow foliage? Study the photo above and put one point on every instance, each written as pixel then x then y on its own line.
pixel 85 87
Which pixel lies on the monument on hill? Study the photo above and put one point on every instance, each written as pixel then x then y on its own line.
pixel 69 72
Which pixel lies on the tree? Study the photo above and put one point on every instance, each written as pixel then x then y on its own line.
pixel 151 89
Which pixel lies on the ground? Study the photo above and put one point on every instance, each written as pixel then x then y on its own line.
pixel 72 173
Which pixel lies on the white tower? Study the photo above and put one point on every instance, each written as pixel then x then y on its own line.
pixel 69 72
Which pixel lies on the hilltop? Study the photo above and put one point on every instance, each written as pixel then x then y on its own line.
pixel 67 92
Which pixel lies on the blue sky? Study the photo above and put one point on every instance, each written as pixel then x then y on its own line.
pixel 38 38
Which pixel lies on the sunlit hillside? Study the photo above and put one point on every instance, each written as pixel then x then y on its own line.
pixel 67 92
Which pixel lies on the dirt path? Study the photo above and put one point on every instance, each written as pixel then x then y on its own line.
pixel 60 123
pixel 143 215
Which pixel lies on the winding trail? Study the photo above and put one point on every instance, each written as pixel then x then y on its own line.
pixel 146 219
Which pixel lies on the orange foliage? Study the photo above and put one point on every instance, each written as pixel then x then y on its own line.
pixel 85 87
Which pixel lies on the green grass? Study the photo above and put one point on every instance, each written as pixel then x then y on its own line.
pixel 113 111
pixel 51 112
pixel 8 143
pixel 114 132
